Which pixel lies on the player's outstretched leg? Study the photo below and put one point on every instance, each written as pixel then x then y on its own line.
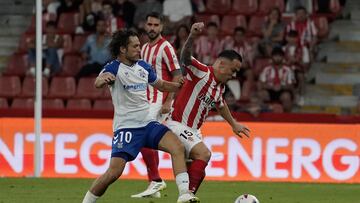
pixel 100 185
pixel 171 144
pixel 200 155
pixel 151 159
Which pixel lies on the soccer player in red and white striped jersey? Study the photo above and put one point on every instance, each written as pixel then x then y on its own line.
pixel 203 90
pixel 161 55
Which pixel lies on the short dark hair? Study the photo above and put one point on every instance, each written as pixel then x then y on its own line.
pixel 51 24
pixel 293 33
pixel 239 29
pixel 155 15
pixel 212 24
pixel 120 39
pixel 277 51
pixel 230 54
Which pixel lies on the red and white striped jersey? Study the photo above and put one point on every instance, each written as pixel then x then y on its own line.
pixel 164 60
pixel 307 30
pixel 199 94
pixel 282 75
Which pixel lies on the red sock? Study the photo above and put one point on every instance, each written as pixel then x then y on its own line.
pixel 151 158
pixel 196 173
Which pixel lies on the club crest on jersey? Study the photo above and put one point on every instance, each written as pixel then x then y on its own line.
pixel 142 73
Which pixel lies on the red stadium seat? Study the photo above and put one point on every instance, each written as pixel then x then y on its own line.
pixel 10 86
pixel 260 64
pixel 21 103
pixel 71 65
pixel 266 5
pixel 79 41
pixel 67 45
pixel 103 105
pixel 106 94
pixel 28 87
pixel 32 27
pixel 17 65
pixel 322 25
pixel 207 18
pixel 86 89
pixel 218 6
pixel 62 87
pixel 53 104
pixel 68 23
pixel 255 25
pixel 244 7
pixel 229 23
pixel 78 104
pixel 23 44
pixel 4 103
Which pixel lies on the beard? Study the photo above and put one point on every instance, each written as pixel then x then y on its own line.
pixel 152 35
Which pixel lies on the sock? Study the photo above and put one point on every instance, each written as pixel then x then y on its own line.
pixel 182 181
pixel 151 158
pixel 196 174
pixel 90 198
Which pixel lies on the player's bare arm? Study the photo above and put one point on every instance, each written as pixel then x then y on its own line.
pixel 237 128
pixel 186 52
pixel 166 107
pixel 167 86
pixel 104 79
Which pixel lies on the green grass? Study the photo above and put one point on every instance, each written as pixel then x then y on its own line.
pixel 30 190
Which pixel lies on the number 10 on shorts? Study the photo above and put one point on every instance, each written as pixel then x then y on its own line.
pixel 121 137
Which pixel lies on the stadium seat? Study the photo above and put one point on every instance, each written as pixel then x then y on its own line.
pixel 71 65
pixel 23 43
pixel 32 27
pixel 67 44
pixel 86 89
pixel 22 103
pixel 322 25
pixel 28 87
pixel 17 65
pixel 334 7
pixel 53 104
pixel 68 23
pixel 78 104
pixel 207 18
pixel 218 6
pixel 103 105
pixel 4 103
pixel 229 23
pixel 255 25
pixel 10 86
pixel 62 87
pixel 266 5
pixel 244 7
pixel 79 41
pixel 106 93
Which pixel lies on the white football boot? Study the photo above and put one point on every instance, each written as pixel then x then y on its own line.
pixel 188 198
pixel 153 190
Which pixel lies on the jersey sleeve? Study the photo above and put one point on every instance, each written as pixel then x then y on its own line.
pixel 152 77
pixel 111 67
pixel 170 58
pixel 197 69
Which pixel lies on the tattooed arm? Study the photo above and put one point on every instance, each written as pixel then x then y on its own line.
pixel 186 52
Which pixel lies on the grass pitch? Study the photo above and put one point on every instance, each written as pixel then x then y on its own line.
pixel 31 190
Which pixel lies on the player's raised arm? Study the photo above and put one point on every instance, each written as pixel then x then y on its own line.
pixel 186 52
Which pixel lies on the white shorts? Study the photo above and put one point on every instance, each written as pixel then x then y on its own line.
pixel 188 136
pixel 155 114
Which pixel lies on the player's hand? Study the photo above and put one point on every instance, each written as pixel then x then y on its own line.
pixel 197 28
pixel 108 78
pixel 166 107
pixel 241 130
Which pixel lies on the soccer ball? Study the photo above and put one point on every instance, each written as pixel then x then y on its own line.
pixel 247 199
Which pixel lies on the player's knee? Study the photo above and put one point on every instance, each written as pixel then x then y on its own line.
pixel 201 153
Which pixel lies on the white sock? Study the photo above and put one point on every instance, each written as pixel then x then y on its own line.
pixel 90 198
pixel 182 181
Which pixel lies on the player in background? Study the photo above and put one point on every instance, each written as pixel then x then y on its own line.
pixel 161 55
pixel 203 90
pixel 128 78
